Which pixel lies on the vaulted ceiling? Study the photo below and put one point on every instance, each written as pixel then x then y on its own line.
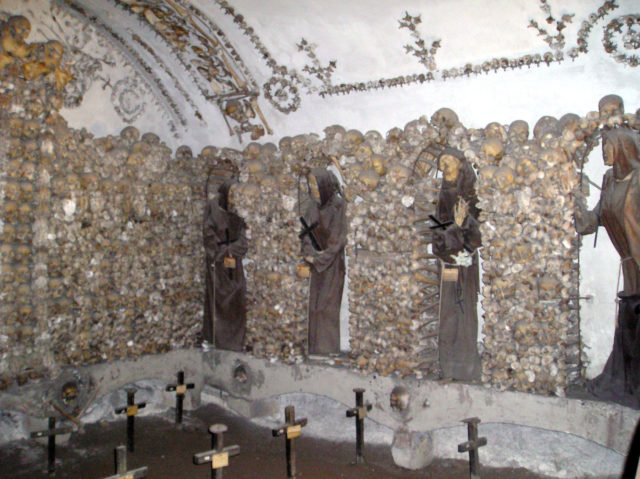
pixel 246 69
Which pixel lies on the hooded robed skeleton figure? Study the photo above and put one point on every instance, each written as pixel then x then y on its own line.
pixel 225 245
pixel 456 244
pixel 327 212
pixel 619 212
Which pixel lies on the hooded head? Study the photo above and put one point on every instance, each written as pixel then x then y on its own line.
pixel 328 184
pixel 463 186
pixel 621 150
pixel 223 194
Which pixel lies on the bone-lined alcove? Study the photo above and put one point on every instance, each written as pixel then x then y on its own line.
pixel 101 227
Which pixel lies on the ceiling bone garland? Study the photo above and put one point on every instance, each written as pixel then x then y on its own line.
pixel 210 59
pixel 282 90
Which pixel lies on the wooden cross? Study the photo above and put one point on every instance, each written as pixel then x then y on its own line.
pixel 291 430
pixel 180 388
pixel 308 230
pixel 132 411
pixel 439 225
pixel 472 446
pixel 218 456
pixel 51 433
pixel 359 412
pixel 121 466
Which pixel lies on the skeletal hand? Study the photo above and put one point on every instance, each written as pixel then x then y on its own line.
pixel 460 212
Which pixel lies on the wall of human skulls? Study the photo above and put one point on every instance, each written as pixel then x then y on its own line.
pixel 101 249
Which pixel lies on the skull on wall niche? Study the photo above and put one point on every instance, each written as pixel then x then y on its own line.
pixel 495 130
pixel 130 134
pixel 518 133
pixel 334 132
pixel 252 151
pixel 545 125
pixel 184 154
pixel 568 125
pixel 492 149
pixel 445 118
pixel 376 141
pixel 352 140
pixel 610 105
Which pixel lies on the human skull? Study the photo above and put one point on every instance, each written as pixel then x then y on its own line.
pixel 495 130
pixel 150 138
pixel 353 139
pixel 379 165
pixel 369 178
pixel 394 135
pixel 399 398
pixel 493 149
pixel 14 34
pixel 130 133
pixel 445 118
pixel 209 153
pixel 184 153
pixel 53 52
pixel 527 170
pixel 544 125
pixel 413 128
pixel 252 151
pixel 398 174
pixel 610 105
pixel 364 152
pixel 486 173
pixel 518 133
pixel 20 27
pixel 568 124
pixel 268 150
pixel 374 139
pixel 235 110
pixel 553 156
pixel 285 143
pixel 334 132
pixel 505 177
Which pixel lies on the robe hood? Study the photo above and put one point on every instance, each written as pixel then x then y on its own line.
pixel 463 185
pixel 328 184
pixel 626 151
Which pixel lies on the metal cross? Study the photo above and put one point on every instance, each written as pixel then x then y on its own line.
pixel 308 230
pixel 51 433
pixel 227 242
pixel 472 446
pixel 180 388
pixel 121 466
pixel 359 412
pixel 291 430
pixel 218 456
pixel 131 410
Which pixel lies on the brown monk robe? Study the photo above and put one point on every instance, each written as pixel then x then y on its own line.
pixel 619 212
pixel 225 287
pixel 456 246
pixel 327 264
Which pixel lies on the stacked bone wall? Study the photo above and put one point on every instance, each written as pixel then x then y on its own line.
pixel 100 251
